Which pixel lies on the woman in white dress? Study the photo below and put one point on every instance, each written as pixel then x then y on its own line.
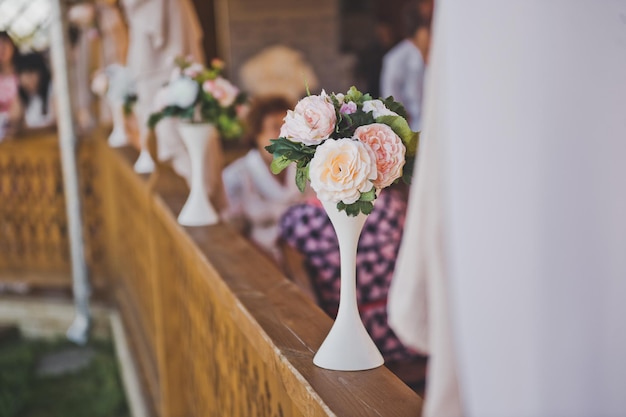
pixel 256 197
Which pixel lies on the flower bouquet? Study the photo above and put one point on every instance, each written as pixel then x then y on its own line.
pixel 118 86
pixel 349 146
pixel 198 94
pixel 206 105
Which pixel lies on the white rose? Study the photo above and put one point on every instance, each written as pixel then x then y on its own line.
pixel 311 122
pixel 341 170
pixel 183 92
pixel 377 108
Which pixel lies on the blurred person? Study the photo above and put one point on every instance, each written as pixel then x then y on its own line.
pixel 370 60
pixel 278 70
pixel 404 66
pixel 10 107
pixel 35 91
pixel 256 197
pixel 307 228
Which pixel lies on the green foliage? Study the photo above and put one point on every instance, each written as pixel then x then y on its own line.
pixel 286 151
pixel 355 95
pixel 16 366
pixel 93 391
pixel 365 204
pixel 348 123
pixel 302 176
pixel 407 170
pixel 129 103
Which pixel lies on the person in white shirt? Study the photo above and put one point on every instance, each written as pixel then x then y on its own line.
pixel 256 197
pixel 404 66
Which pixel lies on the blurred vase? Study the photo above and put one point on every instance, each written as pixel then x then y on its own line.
pixel 118 136
pixel 198 210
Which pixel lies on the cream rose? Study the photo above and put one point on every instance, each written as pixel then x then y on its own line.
pixel 341 170
pixel 377 108
pixel 222 90
pixel 389 151
pixel 312 121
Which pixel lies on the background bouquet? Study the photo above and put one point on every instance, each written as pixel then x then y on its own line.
pixel 116 83
pixel 200 95
pixel 348 146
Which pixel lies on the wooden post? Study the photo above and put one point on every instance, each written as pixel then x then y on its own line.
pixel 67 142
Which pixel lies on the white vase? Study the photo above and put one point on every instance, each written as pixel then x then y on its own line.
pixel 348 346
pixel 118 136
pixel 198 210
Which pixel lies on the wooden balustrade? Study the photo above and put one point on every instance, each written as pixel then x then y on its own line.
pixel 216 328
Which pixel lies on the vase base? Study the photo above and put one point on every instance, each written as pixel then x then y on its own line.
pixel 195 213
pixel 348 347
pixel 117 140
pixel 144 164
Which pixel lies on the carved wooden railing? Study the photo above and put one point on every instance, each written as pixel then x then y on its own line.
pixel 216 329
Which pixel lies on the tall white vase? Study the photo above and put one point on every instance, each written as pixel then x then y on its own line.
pixel 348 346
pixel 198 210
pixel 118 136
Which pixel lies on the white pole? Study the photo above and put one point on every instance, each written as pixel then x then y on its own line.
pixel 67 143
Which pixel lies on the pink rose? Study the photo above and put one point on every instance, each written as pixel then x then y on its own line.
pixel 312 121
pixel 348 108
pixel 389 151
pixel 341 170
pixel 222 90
pixel 217 63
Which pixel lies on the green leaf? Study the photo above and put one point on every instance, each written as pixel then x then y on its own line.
pixel 407 171
pixel 279 163
pixel 366 207
pixel 399 125
pixel 368 196
pixel 302 175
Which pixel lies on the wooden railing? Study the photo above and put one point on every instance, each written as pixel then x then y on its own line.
pixel 216 329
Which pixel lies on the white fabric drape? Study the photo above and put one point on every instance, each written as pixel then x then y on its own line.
pixel 529 119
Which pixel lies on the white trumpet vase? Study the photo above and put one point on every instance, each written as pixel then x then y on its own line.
pixel 348 346
pixel 198 210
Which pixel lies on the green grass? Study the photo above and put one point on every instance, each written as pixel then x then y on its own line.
pixel 94 391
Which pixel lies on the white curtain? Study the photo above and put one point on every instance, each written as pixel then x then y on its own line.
pixel 531 129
